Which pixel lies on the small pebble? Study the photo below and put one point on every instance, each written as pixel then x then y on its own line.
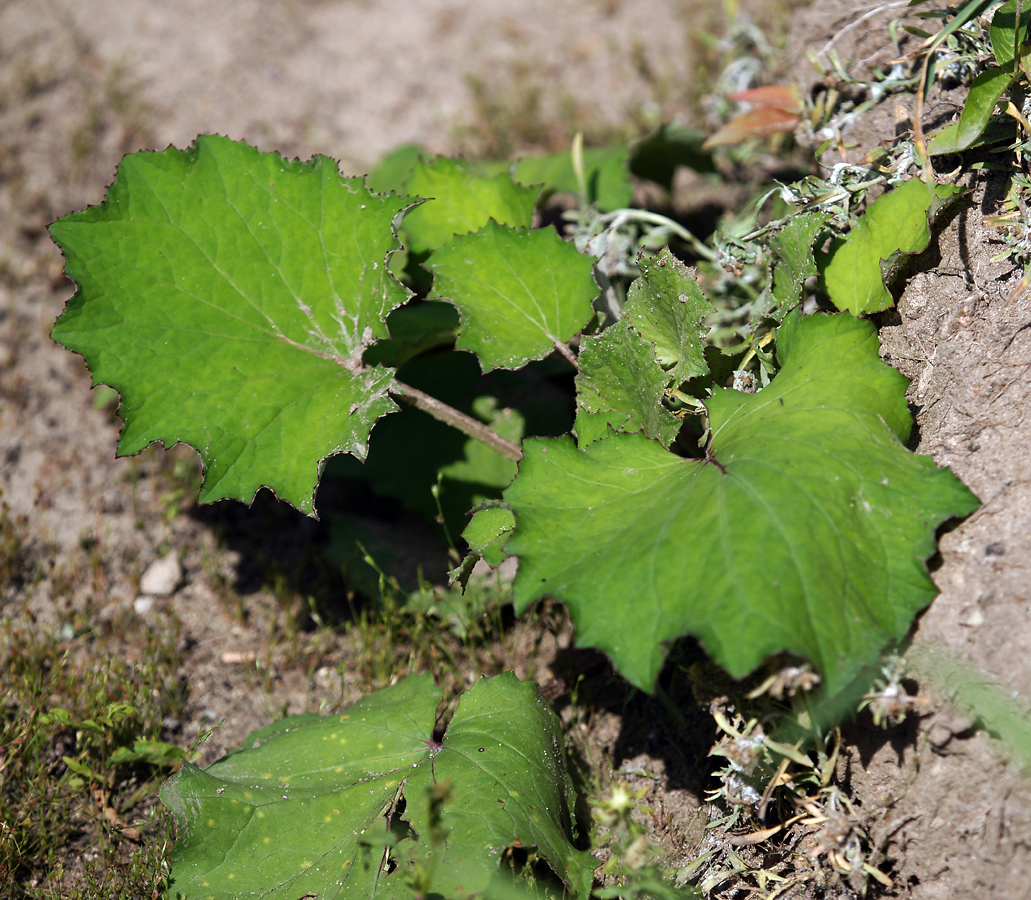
pixel 970 616
pixel 162 577
pixel 143 604
pixel 112 502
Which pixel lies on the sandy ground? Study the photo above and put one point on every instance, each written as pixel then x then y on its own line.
pixel 83 83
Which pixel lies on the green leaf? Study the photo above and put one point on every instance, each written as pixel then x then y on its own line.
pixel 805 529
pixel 1003 31
pixel 394 169
pixel 307 808
pixel 619 373
pixel 985 92
pixel 666 306
pixel 80 769
pixel 659 155
pixel 481 464
pixel 460 201
pixel 415 329
pixel 947 140
pixel 153 753
pixel 793 247
pixel 228 296
pixel 487 532
pixel 593 426
pixel 518 292
pixel 605 172
pixel 850 272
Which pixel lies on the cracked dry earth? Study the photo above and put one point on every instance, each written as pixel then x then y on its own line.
pixel 83 83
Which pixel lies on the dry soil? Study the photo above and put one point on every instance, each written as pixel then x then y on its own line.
pixel 82 83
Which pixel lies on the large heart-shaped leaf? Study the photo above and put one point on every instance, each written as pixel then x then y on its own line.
pixel 805 529
pixel 343 805
pixel 228 296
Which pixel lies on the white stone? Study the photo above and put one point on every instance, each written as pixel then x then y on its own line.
pixel 162 577
pixel 971 616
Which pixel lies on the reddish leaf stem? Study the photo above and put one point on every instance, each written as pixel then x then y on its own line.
pixel 450 416
pixel 567 354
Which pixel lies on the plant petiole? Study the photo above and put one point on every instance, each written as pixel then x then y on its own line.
pixel 619 217
pixel 469 426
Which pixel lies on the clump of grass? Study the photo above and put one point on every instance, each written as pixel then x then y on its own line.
pixel 521 112
pixel 782 816
pixel 631 866
pixel 453 633
pixel 82 754
pixel 181 473
pixel 13 548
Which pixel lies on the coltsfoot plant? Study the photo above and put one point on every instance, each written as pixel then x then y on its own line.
pixel 257 309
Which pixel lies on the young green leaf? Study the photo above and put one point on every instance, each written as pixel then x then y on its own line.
pixel 850 272
pixel 666 306
pixel 793 247
pixel 316 805
pixel 805 529
pixel 228 296
pixel 1003 31
pixel 619 373
pixel 986 91
pixel 487 532
pixel 151 753
pixel 590 427
pixel 605 173
pixel 481 464
pixel 519 293
pixel 460 201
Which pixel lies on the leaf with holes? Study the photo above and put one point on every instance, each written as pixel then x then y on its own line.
pixel 805 529
pixel 228 296
pixel 519 293
pixel 487 531
pixel 619 374
pixel 666 306
pixel 340 806
pixel 793 249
